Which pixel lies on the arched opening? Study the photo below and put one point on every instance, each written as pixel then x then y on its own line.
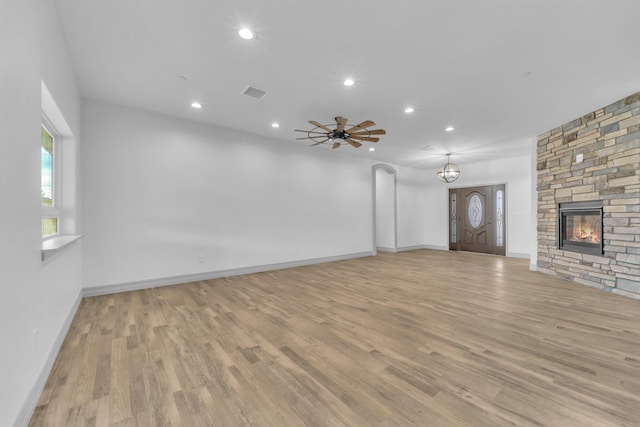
pixel 385 225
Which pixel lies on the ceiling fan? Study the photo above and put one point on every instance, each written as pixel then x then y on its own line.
pixel 353 135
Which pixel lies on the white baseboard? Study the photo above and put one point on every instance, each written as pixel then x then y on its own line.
pixel 418 247
pixel 412 248
pixel 435 247
pixel 383 249
pixel 533 267
pixel 518 255
pixel 446 248
pixel 175 280
pixel 29 405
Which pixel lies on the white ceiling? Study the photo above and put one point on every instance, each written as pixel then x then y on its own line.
pixel 500 71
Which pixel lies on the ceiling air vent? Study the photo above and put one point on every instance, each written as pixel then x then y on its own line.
pixel 254 93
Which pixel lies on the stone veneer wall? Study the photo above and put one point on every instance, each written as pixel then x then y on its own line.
pixel 609 140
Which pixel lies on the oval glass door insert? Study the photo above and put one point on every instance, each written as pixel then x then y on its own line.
pixel 475 211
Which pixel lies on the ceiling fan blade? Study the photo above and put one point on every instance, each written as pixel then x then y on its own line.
pixel 369 132
pixel 312 137
pixel 321 126
pixel 320 142
pixel 341 123
pixel 336 145
pixel 364 138
pixel 310 131
pixel 354 143
pixel 363 125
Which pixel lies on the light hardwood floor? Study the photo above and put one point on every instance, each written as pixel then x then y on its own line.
pixel 422 338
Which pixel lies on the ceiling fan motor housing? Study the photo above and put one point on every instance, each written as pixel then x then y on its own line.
pixel 337 135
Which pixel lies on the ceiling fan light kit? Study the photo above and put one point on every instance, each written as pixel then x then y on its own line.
pixel 448 172
pixel 352 135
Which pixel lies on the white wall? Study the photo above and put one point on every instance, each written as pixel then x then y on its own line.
pixel 170 198
pixel 412 207
pixel 533 194
pixel 514 172
pixel 385 209
pixel 165 197
pixel 33 295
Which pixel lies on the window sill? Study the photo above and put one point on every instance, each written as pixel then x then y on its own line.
pixel 52 246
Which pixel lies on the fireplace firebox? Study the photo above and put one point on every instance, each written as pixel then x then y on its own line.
pixel 580 227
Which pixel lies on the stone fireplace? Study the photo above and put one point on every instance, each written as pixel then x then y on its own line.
pixel 588 182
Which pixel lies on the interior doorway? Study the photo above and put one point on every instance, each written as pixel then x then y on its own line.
pixel 477 219
pixel 384 209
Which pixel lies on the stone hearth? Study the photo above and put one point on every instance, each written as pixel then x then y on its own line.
pixel 594 157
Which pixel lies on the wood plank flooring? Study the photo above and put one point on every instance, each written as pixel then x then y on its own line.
pixel 421 338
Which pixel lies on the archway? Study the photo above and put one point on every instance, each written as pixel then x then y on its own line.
pixel 385 224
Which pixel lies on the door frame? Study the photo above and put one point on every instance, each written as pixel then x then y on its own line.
pixel 459 209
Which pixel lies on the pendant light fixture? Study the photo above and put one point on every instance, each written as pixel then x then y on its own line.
pixel 448 172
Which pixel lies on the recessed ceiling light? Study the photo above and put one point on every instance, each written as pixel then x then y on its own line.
pixel 349 82
pixel 246 33
pixel 275 125
pixel 372 149
pixel 409 110
pixel 196 105
pixel 449 128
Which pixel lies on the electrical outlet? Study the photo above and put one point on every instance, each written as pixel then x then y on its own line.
pixel 579 158
pixel 200 259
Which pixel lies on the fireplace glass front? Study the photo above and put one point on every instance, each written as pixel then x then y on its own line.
pixel 581 228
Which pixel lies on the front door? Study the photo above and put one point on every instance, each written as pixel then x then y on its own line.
pixel 477 219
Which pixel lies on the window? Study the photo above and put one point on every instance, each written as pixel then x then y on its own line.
pixel 454 219
pixel 58 170
pixel 49 183
pixel 499 218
